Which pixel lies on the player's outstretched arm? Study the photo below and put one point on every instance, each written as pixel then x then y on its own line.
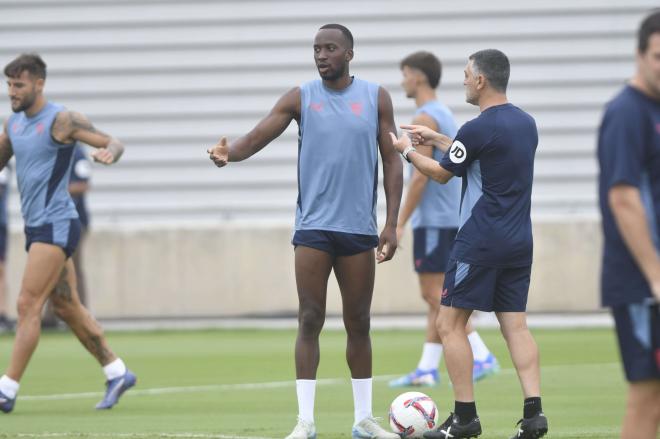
pixel 392 176
pixel 268 129
pixel 417 183
pixel 425 165
pixel 6 150
pixel 423 135
pixel 70 126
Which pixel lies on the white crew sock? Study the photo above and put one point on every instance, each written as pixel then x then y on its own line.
pixel 114 370
pixel 479 349
pixel 362 398
pixel 9 387
pixel 431 355
pixel 306 391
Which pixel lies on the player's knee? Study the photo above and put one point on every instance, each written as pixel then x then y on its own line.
pixel 513 330
pixel 358 324
pixel 27 304
pixel 443 327
pixel 311 321
pixel 432 298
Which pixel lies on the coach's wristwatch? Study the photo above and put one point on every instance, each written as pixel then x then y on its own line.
pixel 407 151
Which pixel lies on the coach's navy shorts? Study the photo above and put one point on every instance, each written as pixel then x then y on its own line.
pixel 335 243
pixel 3 242
pixel 64 234
pixel 485 288
pixel 431 248
pixel 638 331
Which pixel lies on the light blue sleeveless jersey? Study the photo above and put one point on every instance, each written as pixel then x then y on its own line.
pixel 440 203
pixel 338 158
pixel 43 167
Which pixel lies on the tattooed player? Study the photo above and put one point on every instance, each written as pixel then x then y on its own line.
pixel 42 136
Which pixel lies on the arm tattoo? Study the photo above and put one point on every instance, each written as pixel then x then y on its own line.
pixel 69 121
pixel 116 148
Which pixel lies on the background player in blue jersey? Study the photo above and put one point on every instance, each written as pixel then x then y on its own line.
pixel 492 255
pixel 629 158
pixel 5 323
pixel 433 211
pixel 343 122
pixel 42 136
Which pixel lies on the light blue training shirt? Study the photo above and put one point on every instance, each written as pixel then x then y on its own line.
pixel 43 166
pixel 338 158
pixel 440 203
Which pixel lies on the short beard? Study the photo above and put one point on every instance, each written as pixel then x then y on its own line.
pixel 333 76
pixel 471 100
pixel 27 103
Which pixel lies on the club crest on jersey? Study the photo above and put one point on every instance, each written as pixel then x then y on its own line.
pixel 356 108
pixel 457 152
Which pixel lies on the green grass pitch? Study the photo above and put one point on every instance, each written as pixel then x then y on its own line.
pixel 240 383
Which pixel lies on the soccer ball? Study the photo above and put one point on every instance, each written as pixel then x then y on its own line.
pixel 412 414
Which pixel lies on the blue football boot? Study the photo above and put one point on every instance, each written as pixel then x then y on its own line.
pixel 486 368
pixel 6 403
pixel 115 388
pixel 417 378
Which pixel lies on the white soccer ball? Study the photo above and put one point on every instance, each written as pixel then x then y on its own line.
pixel 412 414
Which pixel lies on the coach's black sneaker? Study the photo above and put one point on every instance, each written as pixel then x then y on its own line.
pixel 532 428
pixel 453 429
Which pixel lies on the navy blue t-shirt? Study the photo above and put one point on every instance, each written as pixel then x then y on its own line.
pixel 494 154
pixel 628 154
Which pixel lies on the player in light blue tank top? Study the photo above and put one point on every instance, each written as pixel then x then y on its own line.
pixel 433 209
pixel 42 136
pixel 343 123
pixel 338 127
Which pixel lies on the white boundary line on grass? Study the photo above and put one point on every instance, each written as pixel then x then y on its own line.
pixel 257 386
pixel 194 389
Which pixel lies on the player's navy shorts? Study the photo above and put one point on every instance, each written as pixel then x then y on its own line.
pixel 638 331
pixel 335 243
pixel 486 288
pixel 64 234
pixel 3 242
pixel 431 248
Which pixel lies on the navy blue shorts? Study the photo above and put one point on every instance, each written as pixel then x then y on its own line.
pixel 638 331
pixel 431 248
pixel 485 288
pixel 64 234
pixel 335 243
pixel 3 242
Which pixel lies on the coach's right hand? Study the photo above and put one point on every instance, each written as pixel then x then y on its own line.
pixel 219 153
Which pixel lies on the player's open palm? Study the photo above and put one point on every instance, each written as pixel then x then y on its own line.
pixel 219 153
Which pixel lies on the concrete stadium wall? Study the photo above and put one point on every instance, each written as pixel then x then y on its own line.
pixel 237 270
